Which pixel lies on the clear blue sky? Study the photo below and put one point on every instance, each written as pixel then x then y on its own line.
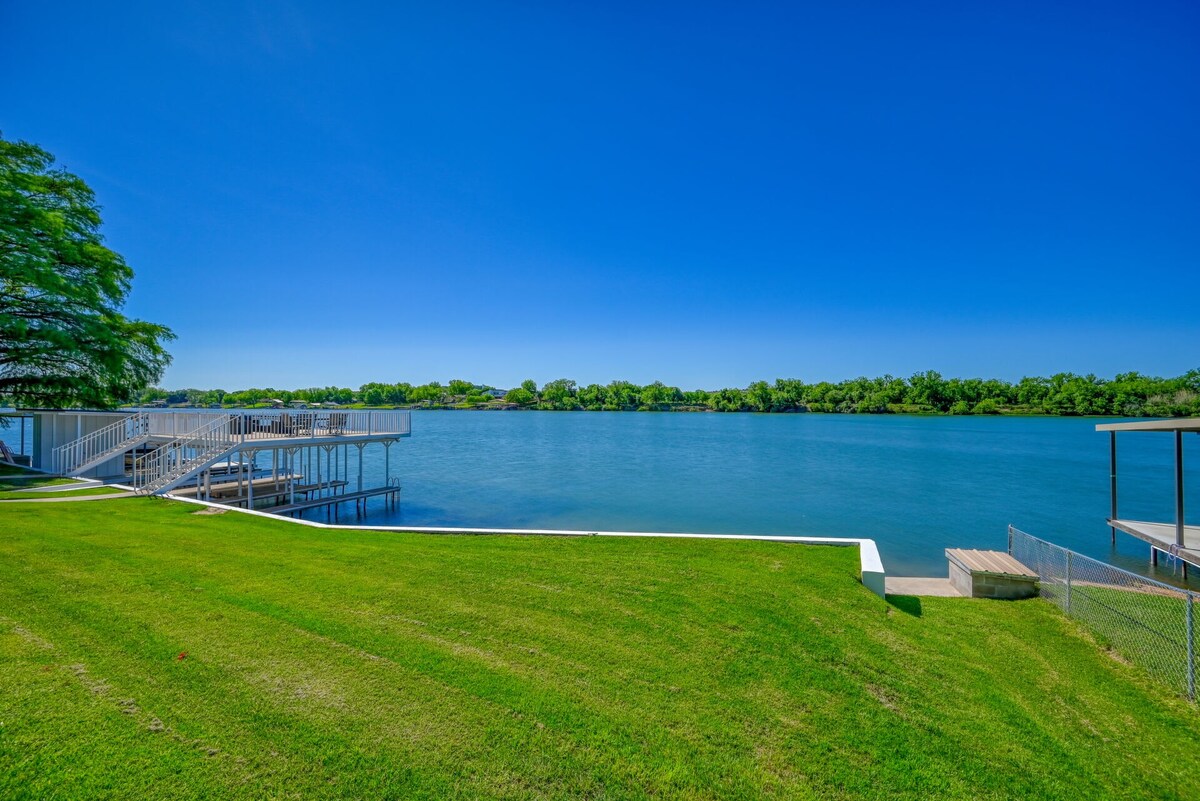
pixel 328 193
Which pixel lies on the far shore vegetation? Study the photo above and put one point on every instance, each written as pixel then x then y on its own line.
pixel 1067 394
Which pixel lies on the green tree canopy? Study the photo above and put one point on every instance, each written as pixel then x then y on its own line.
pixel 1129 394
pixel 519 395
pixel 459 387
pixel 63 339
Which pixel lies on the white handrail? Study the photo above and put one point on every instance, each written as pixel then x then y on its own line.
pixel 69 458
pixel 196 431
pixel 256 424
pixel 176 459
pixel 274 423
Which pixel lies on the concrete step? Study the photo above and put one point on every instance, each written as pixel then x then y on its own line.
pixel 922 586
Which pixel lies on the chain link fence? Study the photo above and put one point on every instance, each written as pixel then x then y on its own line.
pixel 1149 623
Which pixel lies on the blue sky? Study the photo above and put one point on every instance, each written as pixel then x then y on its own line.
pixel 321 193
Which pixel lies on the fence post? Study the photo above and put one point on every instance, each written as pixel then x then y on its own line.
pixel 1191 649
pixel 1068 582
pixel 1010 533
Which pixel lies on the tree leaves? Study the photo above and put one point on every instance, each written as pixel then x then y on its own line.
pixel 63 339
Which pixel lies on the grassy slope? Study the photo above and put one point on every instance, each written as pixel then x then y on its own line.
pixel 27 480
pixel 75 493
pixel 14 478
pixel 370 664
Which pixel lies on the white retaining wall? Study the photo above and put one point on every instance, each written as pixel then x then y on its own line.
pixel 871 571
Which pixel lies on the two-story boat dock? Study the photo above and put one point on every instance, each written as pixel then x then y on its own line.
pixel 282 461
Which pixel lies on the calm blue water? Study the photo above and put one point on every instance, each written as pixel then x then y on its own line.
pixel 916 485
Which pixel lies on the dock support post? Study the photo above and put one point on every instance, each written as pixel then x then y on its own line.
pixel 330 478
pixel 291 458
pixel 359 445
pixel 1112 481
pixel 1179 488
pixel 250 483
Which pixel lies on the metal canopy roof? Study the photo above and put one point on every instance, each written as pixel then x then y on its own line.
pixel 1178 424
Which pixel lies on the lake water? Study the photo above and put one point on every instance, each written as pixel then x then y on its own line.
pixel 916 485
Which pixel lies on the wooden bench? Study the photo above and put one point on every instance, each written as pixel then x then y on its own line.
pixel 990 574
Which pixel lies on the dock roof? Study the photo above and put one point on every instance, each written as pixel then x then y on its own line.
pixel 1177 424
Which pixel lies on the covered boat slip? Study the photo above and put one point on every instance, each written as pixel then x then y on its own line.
pixel 19 424
pixel 1174 537
pixel 289 478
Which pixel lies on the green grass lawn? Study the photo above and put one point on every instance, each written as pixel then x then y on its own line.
pixel 26 479
pixel 13 477
pixel 1149 629
pixel 19 496
pixel 150 652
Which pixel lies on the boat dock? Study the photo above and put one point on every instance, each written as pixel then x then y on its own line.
pixel 390 494
pixel 277 460
pixel 1175 538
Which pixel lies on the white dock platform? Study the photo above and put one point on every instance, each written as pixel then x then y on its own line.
pixel 1162 537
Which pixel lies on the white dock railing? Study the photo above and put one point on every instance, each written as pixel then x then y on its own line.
pixel 99 444
pixel 256 424
pixel 179 424
pixel 175 460
pixel 199 437
pixel 279 423
pixel 195 434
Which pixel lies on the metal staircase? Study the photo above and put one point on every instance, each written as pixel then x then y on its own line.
pixel 175 462
pixel 101 445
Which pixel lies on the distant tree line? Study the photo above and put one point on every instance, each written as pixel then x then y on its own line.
pixel 1126 395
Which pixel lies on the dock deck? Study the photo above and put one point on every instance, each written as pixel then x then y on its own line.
pixel 332 501
pixel 1162 537
pixel 265 489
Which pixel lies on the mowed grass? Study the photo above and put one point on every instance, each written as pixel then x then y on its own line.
pixel 27 479
pixel 150 652
pixel 17 483
pixel 8 495
pixel 1148 628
